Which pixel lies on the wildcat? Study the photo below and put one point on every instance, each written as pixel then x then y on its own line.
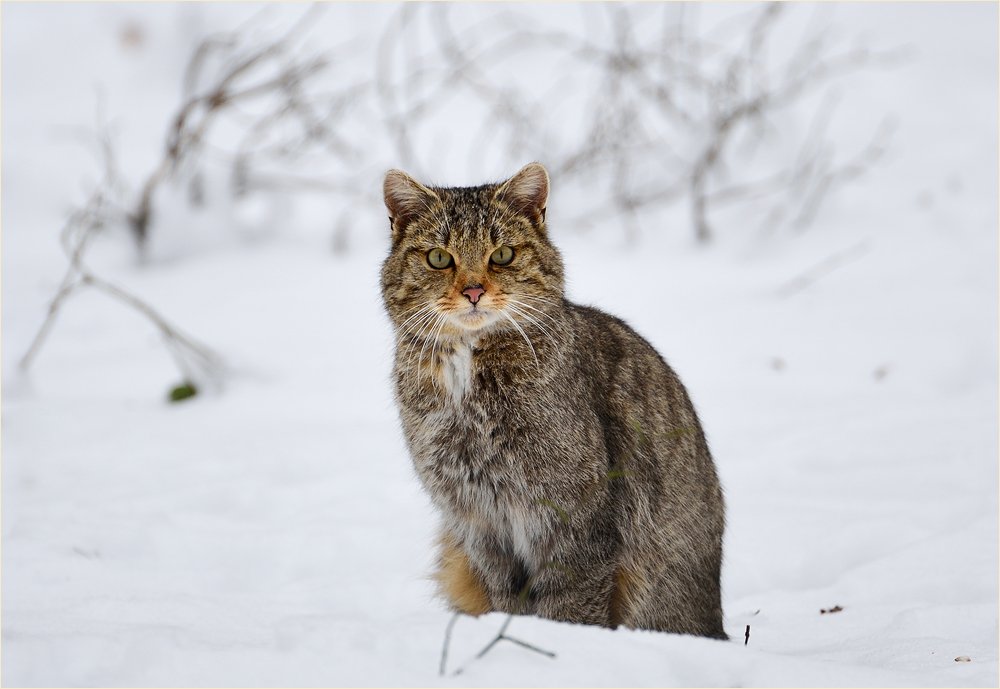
pixel 570 469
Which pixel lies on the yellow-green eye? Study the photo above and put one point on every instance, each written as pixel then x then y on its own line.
pixel 502 256
pixel 439 258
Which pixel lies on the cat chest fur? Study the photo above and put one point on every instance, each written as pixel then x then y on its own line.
pixel 455 371
pixel 480 487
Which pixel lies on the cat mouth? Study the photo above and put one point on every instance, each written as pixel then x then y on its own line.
pixel 474 318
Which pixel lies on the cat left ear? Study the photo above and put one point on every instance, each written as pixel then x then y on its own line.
pixel 405 198
pixel 527 192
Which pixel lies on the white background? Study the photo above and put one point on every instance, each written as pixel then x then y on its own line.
pixel 272 532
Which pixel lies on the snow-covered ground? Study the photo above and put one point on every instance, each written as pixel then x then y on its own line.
pixel 273 532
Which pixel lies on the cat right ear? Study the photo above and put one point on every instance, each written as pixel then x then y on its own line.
pixel 527 192
pixel 405 198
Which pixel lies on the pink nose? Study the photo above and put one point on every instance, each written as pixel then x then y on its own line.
pixel 473 293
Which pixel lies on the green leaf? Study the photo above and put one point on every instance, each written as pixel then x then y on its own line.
pixel 560 511
pixel 618 473
pixel 183 392
pixel 561 567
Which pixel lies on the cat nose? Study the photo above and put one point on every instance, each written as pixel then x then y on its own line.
pixel 473 293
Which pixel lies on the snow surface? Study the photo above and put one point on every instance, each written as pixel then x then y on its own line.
pixel 273 532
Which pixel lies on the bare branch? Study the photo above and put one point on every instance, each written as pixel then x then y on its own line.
pixel 246 74
pixel 195 361
pixel 824 268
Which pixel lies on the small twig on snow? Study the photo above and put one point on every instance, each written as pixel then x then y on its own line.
pixel 824 268
pixel 500 636
pixel 447 641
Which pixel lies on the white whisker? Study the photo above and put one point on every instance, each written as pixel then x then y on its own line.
pixel 543 300
pixel 418 306
pixel 424 340
pixel 525 336
pixel 538 325
pixel 429 317
pixel 426 308
pixel 437 334
pixel 413 330
pixel 438 325
pixel 529 306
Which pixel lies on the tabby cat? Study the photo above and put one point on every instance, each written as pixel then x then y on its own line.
pixel 571 472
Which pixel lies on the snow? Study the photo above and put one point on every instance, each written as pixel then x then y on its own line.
pixel 272 532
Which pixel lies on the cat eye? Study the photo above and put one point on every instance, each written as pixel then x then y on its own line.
pixel 439 258
pixel 502 256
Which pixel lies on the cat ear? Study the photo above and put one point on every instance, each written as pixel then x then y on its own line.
pixel 405 198
pixel 527 192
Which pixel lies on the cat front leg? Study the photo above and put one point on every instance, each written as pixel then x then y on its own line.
pixel 481 573
pixel 578 592
pixel 458 582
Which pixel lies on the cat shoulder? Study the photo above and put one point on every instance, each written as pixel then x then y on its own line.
pixel 611 334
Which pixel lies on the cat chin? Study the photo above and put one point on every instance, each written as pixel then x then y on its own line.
pixel 477 321
pixel 473 320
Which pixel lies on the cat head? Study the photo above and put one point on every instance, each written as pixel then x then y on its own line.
pixel 469 259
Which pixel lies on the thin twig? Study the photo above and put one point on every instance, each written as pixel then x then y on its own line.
pixel 496 639
pixel 195 360
pixel 246 75
pixel 500 636
pixel 824 268
pixel 528 646
pixel 447 641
